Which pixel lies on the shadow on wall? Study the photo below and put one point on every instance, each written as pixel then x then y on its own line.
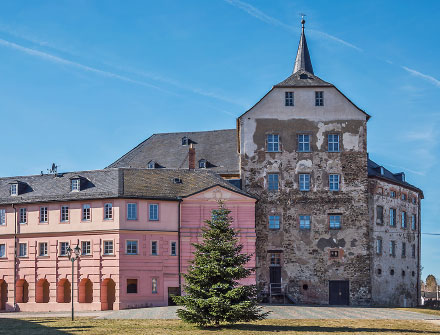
pixel 38 327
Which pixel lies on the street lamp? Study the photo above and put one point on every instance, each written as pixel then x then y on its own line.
pixel 73 255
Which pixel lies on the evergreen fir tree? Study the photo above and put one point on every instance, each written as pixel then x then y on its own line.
pixel 212 292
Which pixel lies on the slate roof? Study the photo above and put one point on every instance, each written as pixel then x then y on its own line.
pixel 303 61
pixel 218 147
pixel 303 78
pixel 375 171
pixel 112 183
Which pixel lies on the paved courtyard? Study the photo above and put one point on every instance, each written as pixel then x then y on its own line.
pixel 277 312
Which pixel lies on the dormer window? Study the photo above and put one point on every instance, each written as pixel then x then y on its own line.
pixel 75 185
pixel 177 181
pixel 381 170
pixel 151 164
pixel 185 140
pixel 202 164
pixel 14 189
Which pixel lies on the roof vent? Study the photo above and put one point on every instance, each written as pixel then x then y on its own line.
pixel 303 76
pixel 177 181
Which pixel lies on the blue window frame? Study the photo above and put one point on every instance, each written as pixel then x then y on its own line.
pixel 304 182
pixel 333 142
pixel 2 250
pixel 132 247
pixel 304 143
pixel 335 222
pixel 273 143
pixel 334 182
pixel 304 222
pixel 272 181
pixel 173 249
pixel 132 211
pixel 154 212
pixel 413 222
pixel 274 222
pixel 403 219
pixel 154 248
pixel 393 214
pixel 289 99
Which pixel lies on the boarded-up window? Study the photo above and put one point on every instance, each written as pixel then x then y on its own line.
pixel 379 215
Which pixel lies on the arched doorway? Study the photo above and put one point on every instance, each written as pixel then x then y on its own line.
pixel 63 291
pixel 85 294
pixel 22 291
pixel 42 291
pixel 108 294
pixel 3 294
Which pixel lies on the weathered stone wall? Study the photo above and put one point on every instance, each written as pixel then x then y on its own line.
pixel 395 279
pixel 306 263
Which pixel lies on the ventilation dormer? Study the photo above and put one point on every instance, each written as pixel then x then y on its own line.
pixel 151 165
pixel 14 188
pixel 177 181
pixel 185 140
pixel 77 183
pixel 203 164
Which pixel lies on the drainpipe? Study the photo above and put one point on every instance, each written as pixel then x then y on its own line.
pixel 15 257
pixel 178 245
pixel 419 230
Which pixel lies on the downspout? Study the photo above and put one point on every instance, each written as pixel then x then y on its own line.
pixel 15 257
pixel 178 245
pixel 419 238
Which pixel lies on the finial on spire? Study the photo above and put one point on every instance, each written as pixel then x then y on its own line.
pixel 302 61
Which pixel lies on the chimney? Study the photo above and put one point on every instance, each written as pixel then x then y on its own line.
pixel 191 157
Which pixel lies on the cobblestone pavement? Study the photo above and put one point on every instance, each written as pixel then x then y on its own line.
pixel 277 312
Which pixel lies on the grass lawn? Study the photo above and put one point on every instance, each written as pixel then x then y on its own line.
pixel 422 310
pixel 84 326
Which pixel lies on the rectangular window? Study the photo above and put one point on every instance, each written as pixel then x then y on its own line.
pixel 304 182
pixel 304 222
pixel 272 181
pixel 403 196
pixel 132 286
pixel 154 212
pixel 403 249
pixel 393 248
pixel 2 217
pixel 379 246
pixel 273 143
pixel 275 259
pixel 64 213
pixel 14 189
pixel 132 211
pixel 86 212
pixel 333 143
pixel 392 194
pixel 393 214
pixel 319 98
pixel 274 222
pixel 75 185
pixel 63 248
pixel 108 211
pixel 413 251
pixel 334 253
pixel 403 219
pixel 85 248
pixel 333 180
pixel 132 247
pixel 108 247
pixel 413 222
pixel 23 216
pixel 173 249
pixel 379 215
pixel 42 249
pixel 303 143
pixel 335 222
pixel 43 214
pixel 289 98
pixel 22 250
pixel 3 250
pixel 154 285
pixel 154 248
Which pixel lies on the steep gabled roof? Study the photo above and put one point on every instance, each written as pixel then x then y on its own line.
pixel 303 78
pixel 217 147
pixel 303 61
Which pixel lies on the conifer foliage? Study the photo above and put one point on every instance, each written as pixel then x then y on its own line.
pixel 211 292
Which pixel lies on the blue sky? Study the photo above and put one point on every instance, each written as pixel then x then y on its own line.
pixel 82 82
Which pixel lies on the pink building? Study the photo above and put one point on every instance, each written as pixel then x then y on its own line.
pixel 134 227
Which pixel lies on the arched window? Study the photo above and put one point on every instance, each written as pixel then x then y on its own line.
pixel 3 294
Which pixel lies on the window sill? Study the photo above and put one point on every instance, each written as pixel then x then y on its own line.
pixel 273 152
pixel 108 255
pixel 43 256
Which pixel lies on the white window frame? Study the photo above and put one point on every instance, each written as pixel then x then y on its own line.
pixel 273 142
pixel 44 214
pixel 64 213
pixel 304 182
pixel 333 143
pixel 2 217
pixel 175 248
pixel 84 251
pixel 46 249
pixel 66 246
pixel 305 222
pixel 13 189
pixel 289 99
pixel 104 246
pixel 319 98
pixel 334 182
pixel 86 209
pixel 108 211
pixel 151 217
pixel 75 185
pixel 22 215
pixel 130 216
pixel 157 248
pixel 202 164
pixel 274 222
pixel 25 244
pixel 303 144
pixel 4 248
pixel 151 165
pixel 129 247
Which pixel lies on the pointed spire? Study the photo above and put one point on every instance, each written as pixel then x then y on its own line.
pixel 302 61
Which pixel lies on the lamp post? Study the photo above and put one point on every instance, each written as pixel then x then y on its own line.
pixel 73 255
